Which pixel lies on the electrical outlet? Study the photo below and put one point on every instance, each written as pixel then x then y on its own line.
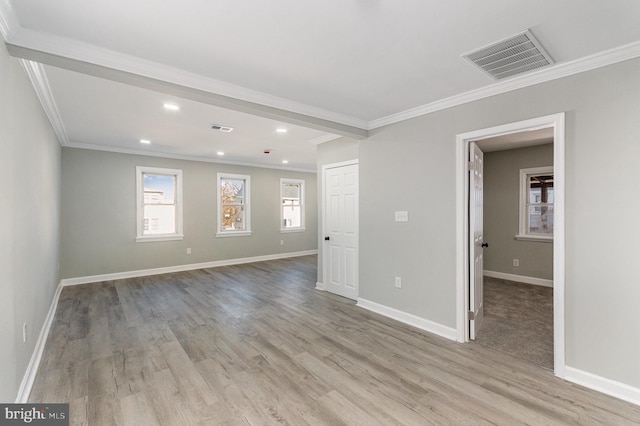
pixel 24 333
pixel 189 250
pixel 398 282
pixel 281 242
pixel 516 262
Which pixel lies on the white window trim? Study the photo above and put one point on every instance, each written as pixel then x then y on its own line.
pixel 140 237
pixel 524 179
pixel 300 228
pixel 247 203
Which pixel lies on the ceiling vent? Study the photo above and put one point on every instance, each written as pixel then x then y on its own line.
pixel 221 128
pixel 515 55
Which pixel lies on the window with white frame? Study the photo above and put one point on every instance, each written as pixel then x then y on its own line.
pixel 291 205
pixel 234 213
pixel 537 197
pixel 159 204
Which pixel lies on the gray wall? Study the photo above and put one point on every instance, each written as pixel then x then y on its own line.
pixel 99 215
pixel 29 221
pixel 411 166
pixel 335 151
pixel 502 211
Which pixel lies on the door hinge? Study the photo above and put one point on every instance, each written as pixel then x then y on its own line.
pixel 471 166
pixel 472 315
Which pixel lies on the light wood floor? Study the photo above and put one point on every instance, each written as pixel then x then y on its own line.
pixel 256 344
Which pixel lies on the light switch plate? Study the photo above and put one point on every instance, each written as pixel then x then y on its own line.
pixel 402 216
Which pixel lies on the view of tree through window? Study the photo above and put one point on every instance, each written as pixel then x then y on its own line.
pixel 232 198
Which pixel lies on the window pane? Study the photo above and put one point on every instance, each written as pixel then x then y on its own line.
pixel 159 189
pixel 233 218
pixel 541 220
pixel 291 215
pixel 159 219
pixel 232 191
pixel 291 191
pixel 540 189
pixel 535 196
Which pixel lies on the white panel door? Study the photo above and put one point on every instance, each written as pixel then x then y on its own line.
pixel 476 241
pixel 340 245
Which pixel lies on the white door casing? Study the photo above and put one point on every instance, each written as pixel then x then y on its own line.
pixel 340 229
pixel 476 241
pixel 557 123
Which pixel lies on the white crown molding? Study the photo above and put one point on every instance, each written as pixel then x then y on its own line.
pixel 598 60
pixel 324 138
pixel 202 159
pixel 40 83
pixel 88 53
pixel 9 24
pixel 180 268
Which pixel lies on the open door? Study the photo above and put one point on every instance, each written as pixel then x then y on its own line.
pixel 476 241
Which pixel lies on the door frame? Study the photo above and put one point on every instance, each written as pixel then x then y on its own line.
pixel 557 122
pixel 323 247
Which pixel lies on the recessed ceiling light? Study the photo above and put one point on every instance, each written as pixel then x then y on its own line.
pixel 171 107
pixel 281 130
pixel 285 161
pixel 220 153
pixel 145 141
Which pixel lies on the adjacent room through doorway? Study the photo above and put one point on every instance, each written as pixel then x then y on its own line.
pixel 518 197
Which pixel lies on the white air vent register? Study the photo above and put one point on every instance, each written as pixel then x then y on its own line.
pixel 515 55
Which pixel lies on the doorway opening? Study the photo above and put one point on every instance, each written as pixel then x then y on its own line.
pixel 517 272
pixel 470 239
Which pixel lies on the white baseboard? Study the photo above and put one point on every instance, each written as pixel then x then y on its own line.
pixel 413 320
pixel 32 369
pixel 518 278
pixel 604 385
pixel 180 268
pixel 320 286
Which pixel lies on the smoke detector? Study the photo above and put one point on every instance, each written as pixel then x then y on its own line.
pixel 512 56
pixel 221 128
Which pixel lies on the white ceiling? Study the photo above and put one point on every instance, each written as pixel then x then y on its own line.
pixel 517 140
pixel 339 67
pixel 97 111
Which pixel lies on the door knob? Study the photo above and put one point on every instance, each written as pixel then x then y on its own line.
pixel 485 244
pixel 327 238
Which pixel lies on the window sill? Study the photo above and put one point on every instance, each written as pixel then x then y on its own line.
pixel 153 238
pixel 538 238
pixel 233 234
pixel 289 230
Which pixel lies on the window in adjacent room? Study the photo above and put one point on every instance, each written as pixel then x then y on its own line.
pixel 159 204
pixel 291 205
pixel 536 204
pixel 234 214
